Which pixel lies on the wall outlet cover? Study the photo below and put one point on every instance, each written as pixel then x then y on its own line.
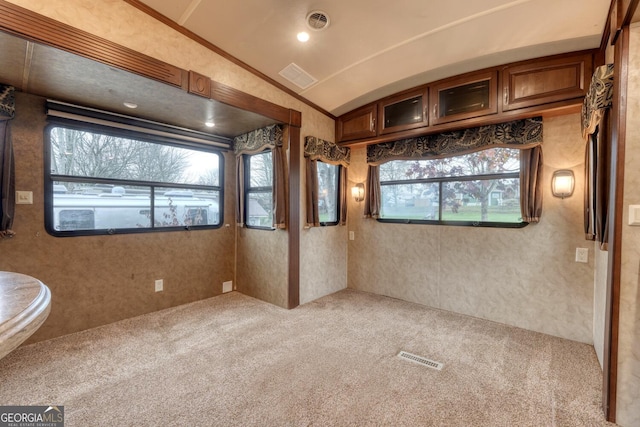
pixel 227 286
pixel 24 197
pixel 582 254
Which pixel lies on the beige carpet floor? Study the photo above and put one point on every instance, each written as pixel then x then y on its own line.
pixel 236 361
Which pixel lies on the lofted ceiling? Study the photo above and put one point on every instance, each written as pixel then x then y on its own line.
pixel 374 48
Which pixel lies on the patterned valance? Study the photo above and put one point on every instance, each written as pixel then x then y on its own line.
pixel 599 98
pixel 258 140
pixel 7 102
pixel 522 134
pixel 326 151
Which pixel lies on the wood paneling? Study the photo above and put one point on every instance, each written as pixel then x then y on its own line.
pixel 199 84
pixel 542 82
pixel 358 124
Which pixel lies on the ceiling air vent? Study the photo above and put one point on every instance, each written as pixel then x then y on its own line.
pixel 297 76
pixel 317 20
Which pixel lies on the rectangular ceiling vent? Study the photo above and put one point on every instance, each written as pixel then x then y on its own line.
pixel 297 76
pixel 420 360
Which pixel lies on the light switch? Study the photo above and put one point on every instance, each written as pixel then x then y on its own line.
pixel 352 235
pixel 24 197
pixel 634 214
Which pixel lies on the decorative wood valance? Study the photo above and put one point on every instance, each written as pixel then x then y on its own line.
pixel 7 102
pixel 520 134
pixel 258 140
pixel 326 151
pixel 599 98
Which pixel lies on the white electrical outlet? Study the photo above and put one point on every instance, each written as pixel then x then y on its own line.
pixel 227 286
pixel 352 235
pixel 24 197
pixel 159 285
pixel 582 255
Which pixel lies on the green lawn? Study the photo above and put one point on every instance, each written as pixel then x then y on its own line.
pixel 465 213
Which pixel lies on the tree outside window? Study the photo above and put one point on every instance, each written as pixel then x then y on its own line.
pixel 477 188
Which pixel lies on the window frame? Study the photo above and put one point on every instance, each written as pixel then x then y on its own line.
pixel 337 201
pixel 441 181
pixel 248 189
pixel 138 135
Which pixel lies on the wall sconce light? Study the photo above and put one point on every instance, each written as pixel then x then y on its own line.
pixel 357 191
pixel 562 183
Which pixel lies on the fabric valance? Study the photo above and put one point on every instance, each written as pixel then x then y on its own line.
pixel 520 134
pixel 7 102
pixel 326 151
pixel 258 140
pixel 599 98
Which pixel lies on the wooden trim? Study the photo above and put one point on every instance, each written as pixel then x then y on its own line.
pixel 32 26
pixel 604 41
pixel 168 22
pixel 612 316
pixel 199 84
pixel 228 95
pixel 295 168
pixel 631 10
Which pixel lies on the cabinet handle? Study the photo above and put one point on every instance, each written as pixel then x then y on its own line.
pixel 373 124
pixel 435 111
pixel 506 95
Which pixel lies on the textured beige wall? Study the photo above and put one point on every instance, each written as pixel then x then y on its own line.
pixel 262 265
pixel 96 280
pixel 628 397
pixel 523 277
pixel 323 250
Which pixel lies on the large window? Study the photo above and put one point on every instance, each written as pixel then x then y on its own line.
pixel 259 190
pixel 480 189
pixel 328 193
pixel 106 181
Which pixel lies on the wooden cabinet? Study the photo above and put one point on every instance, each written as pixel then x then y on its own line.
pixel 540 82
pixel 514 91
pixel 465 97
pixel 357 124
pixel 404 111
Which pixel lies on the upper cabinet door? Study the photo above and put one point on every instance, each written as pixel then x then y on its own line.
pixel 403 111
pixel 535 82
pixel 465 97
pixel 357 124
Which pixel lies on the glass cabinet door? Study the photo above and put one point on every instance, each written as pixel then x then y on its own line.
pixel 470 96
pixel 404 111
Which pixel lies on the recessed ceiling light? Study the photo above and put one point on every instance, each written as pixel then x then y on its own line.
pixel 303 37
pixel 130 104
pixel 209 124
